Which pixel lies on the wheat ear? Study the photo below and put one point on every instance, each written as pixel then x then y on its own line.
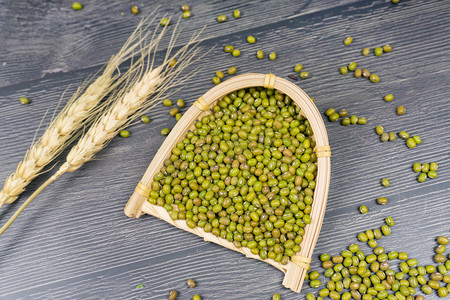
pixel 127 104
pixel 83 104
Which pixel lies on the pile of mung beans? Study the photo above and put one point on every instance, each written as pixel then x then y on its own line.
pixel 426 170
pixel 246 173
pixel 356 275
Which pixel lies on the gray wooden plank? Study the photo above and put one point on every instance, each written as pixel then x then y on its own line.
pixel 50 37
pixel 74 240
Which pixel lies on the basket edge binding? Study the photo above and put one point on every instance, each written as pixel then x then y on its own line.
pixel 298 265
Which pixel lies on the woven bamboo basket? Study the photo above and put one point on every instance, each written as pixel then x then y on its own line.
pixel 297 267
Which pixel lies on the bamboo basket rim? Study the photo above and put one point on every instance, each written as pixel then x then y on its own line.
pixel 298 265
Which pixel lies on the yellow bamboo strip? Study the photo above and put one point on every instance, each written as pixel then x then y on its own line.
pixel 296 268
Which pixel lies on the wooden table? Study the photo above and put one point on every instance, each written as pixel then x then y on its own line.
pixel 74 241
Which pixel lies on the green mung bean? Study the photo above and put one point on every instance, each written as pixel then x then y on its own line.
pixel 315 284
pixel 365 51
pixel 417 167
pixel 343 113
pixel 372 243
pixel 379 130
pixel 251 39
pixel 24 100
pixel 329 112
pixel 422 177
pixel 352 66
pixel 187 14
pixel 232 70
pixel 298 68
pixel 392 136
pixel 173 295
pixel 165 131
pixel 324 257
pixel 167 102
pixel 387 48
pixel 365 73
pixel 228 48
pixel 345 122
pixel 219 74
pixel 434 167
pixel 145 119
pixel 216 80
pixel 401 110
pixel 403 135
pixel 440 249
pixel 348 40
pixel 236 52
pixel 174 111
pixel 343 70
pixel 385 182
pixel 442 240
pixel 411 143
pixel 382 200
pixel 272 55
pixel 388 97
pixel 260 54
pixel 124 133
pixel 417 139
pixel 362 237
pixel 374 78
pixel 304 75
pixel 237 13
pixel 362 121
pixel 386 230
pixel 357 73
pixel 378 51
pixel 164 22
pixel 77 6
pixel 221 18
pixel 333 117
pixel 363 209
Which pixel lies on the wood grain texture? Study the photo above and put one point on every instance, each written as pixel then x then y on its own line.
pixel 74 242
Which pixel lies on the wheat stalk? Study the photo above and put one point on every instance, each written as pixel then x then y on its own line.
pixel 141 92
pixel 63 129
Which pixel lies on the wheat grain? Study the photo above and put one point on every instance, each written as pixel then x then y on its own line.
pixel 84 103
pixel 139 92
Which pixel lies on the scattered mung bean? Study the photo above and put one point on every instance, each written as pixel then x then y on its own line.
pixel 124 133
pixel 236 52
pixel 385 182
pixel 378 51
pixel 221 18
pixel 77 6
pixel 348 40
pixel 344 70
pixel 232 70
pixel 298 68
pixel 382 200
pixel 228 48
pixel 401 110
pixel 134 10
pixel 24 100
pixel 304 75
